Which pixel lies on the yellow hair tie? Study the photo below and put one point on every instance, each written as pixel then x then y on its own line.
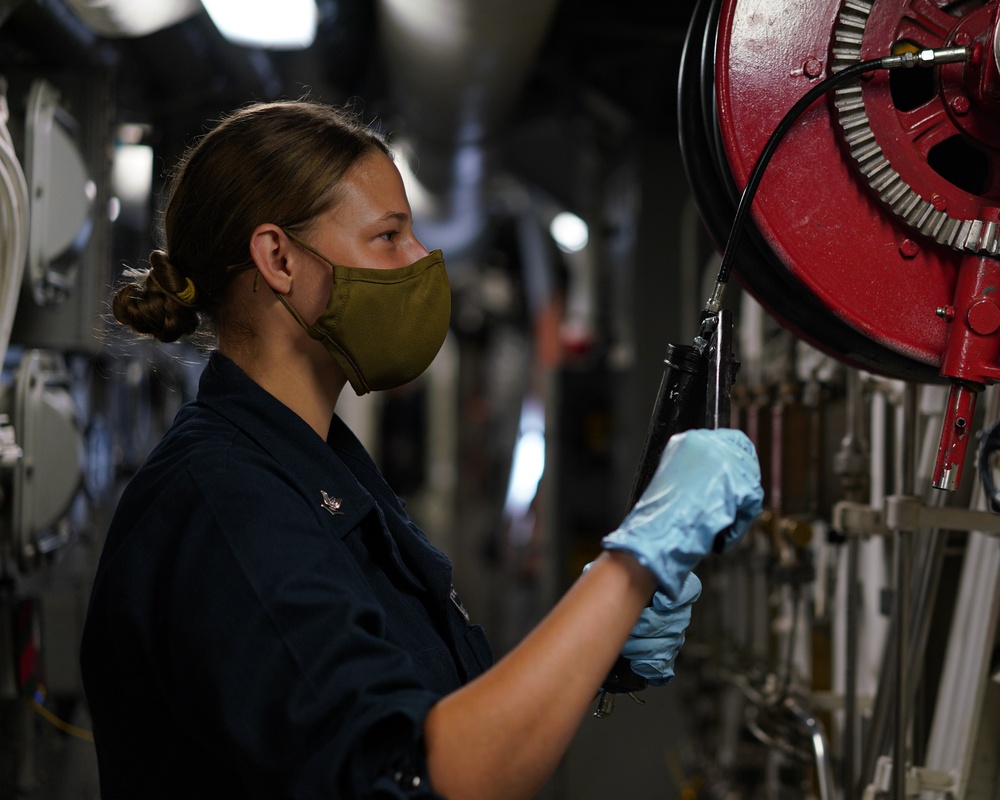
pixel 187 295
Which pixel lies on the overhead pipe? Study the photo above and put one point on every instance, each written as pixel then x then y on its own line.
pixel 97 26
pixel 126 18
pixel 455 70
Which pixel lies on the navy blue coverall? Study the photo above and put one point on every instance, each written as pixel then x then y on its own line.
pixel 266 622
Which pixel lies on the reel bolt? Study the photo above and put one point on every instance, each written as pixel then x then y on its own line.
pixel 960 105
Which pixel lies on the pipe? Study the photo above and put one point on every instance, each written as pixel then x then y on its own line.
pixel 114 18
pixel 50 26
pixel 849 745
pixel 14 220
pixel 923 578
pixel 455 71
pixel 904 557
pixel 821 751
pixel 904 550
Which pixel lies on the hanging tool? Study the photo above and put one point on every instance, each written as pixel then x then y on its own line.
pixel 694 393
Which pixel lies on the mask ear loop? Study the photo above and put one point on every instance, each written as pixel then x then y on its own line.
pixel 306 246
pixel 315 252
pixel 248 264
pixel 245 265
pixel 284 301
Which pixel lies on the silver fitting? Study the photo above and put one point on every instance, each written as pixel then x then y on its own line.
pixel 927 58
pixel 714 303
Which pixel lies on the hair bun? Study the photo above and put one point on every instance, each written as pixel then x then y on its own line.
pixel 159 302
pixel 170 280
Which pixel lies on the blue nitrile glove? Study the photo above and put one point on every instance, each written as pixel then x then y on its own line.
pixel 707 481
pixel 656 639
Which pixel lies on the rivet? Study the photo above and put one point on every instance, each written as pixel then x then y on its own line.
pixel 909 248
pixel 813 68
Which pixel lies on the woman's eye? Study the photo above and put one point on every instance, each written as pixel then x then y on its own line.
pixel 389 235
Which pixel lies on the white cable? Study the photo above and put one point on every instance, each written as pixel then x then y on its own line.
pixel 14 219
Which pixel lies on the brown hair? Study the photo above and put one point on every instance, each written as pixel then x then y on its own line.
pixel 277 162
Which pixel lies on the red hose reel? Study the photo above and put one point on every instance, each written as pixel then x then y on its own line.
pixel 883 202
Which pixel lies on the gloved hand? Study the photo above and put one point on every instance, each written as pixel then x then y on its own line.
pixel 656 639
pixel 707 481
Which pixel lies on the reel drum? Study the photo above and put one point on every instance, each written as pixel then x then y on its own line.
pixel 877 222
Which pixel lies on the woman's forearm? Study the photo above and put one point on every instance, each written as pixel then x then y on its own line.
pixel 503 734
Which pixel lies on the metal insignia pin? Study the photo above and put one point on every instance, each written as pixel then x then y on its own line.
pixel 458 604
pixel 331 504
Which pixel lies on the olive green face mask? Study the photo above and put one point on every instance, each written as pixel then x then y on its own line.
pixel 382 326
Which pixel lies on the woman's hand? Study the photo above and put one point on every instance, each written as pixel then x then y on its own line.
pixel 708 481
pixel 657 637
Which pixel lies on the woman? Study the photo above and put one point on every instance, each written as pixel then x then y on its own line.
pixel 266 621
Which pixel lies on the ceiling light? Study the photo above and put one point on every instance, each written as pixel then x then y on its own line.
pixel 569 231
pixel 271 24
pixel 132 173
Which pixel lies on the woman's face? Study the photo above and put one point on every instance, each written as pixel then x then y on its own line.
pixel 369 227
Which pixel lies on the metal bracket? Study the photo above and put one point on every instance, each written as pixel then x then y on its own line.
pixel 10 450
pixel 918 779
pixel 909 514
pixel 857 519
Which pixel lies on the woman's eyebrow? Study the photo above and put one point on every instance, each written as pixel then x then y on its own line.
pixel 397 216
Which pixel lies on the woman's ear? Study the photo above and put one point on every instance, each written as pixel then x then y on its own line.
pixel 270 249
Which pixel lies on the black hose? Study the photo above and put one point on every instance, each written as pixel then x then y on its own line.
pixel 746 198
